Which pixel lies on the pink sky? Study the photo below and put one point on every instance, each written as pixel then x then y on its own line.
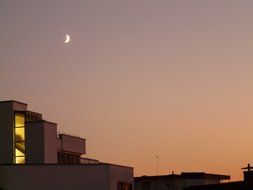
pixel 139 78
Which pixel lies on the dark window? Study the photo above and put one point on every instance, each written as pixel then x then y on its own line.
pixel 146 185
pixel 68 158
pixel 124 186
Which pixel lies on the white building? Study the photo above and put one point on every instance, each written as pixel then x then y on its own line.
pixel 34 156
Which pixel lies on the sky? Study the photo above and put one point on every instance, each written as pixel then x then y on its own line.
pixel 139 78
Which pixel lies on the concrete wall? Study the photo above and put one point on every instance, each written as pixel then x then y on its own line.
pixel 41 142
pixel 6 132
pixel 34 142
pixel 120 174
pixel 172 184
pixel 19 106
pixel 72 144
pixel 50 143
pixel 63 177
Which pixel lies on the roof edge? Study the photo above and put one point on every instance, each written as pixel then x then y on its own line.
pixel 6 101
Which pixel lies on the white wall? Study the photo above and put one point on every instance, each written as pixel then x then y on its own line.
pixel 63 177
pixel 41 142
pixel 72 144
pixel 119 174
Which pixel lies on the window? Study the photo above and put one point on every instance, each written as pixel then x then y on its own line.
pixel 146 185
pixel 68 158
pixel 19 139
pixel 124 186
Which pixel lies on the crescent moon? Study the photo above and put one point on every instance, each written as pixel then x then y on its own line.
pixel 67 39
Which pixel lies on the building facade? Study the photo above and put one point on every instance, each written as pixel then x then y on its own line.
pixel 28 139
pixel 246 184
pixel 34 156
pixel 177 181
pixel 65 177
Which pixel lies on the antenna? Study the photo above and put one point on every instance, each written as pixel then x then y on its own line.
pixel 157 171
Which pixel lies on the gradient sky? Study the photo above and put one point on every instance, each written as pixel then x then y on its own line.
pixel 140 78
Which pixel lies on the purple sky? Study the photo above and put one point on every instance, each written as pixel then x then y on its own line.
pixel 139 78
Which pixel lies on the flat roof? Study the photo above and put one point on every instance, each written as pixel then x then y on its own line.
pixel 74 165
pixel 242 185
pixel 28 111
pixel 186 175
pixel 69 135
pixel 33 112
pixel 41 121
pixel 6 101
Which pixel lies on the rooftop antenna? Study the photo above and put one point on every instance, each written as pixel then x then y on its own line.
pixel 157 171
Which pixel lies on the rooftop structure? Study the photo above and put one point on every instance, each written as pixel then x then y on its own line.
pixel 246 184
pixel 177 181
pixel 28 138
pixel 248 174
pixel 34 156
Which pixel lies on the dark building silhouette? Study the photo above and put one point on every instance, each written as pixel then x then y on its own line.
pixel 246 184
pixel 177 181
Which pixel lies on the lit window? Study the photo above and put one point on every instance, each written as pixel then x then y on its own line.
pixel 19 140
pixel 19 120
pixel 20 134
pixel 19 153
pixel 20 160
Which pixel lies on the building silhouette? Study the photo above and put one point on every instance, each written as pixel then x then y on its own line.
pixel 246 184
pixel 177 181
pixel 34 156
